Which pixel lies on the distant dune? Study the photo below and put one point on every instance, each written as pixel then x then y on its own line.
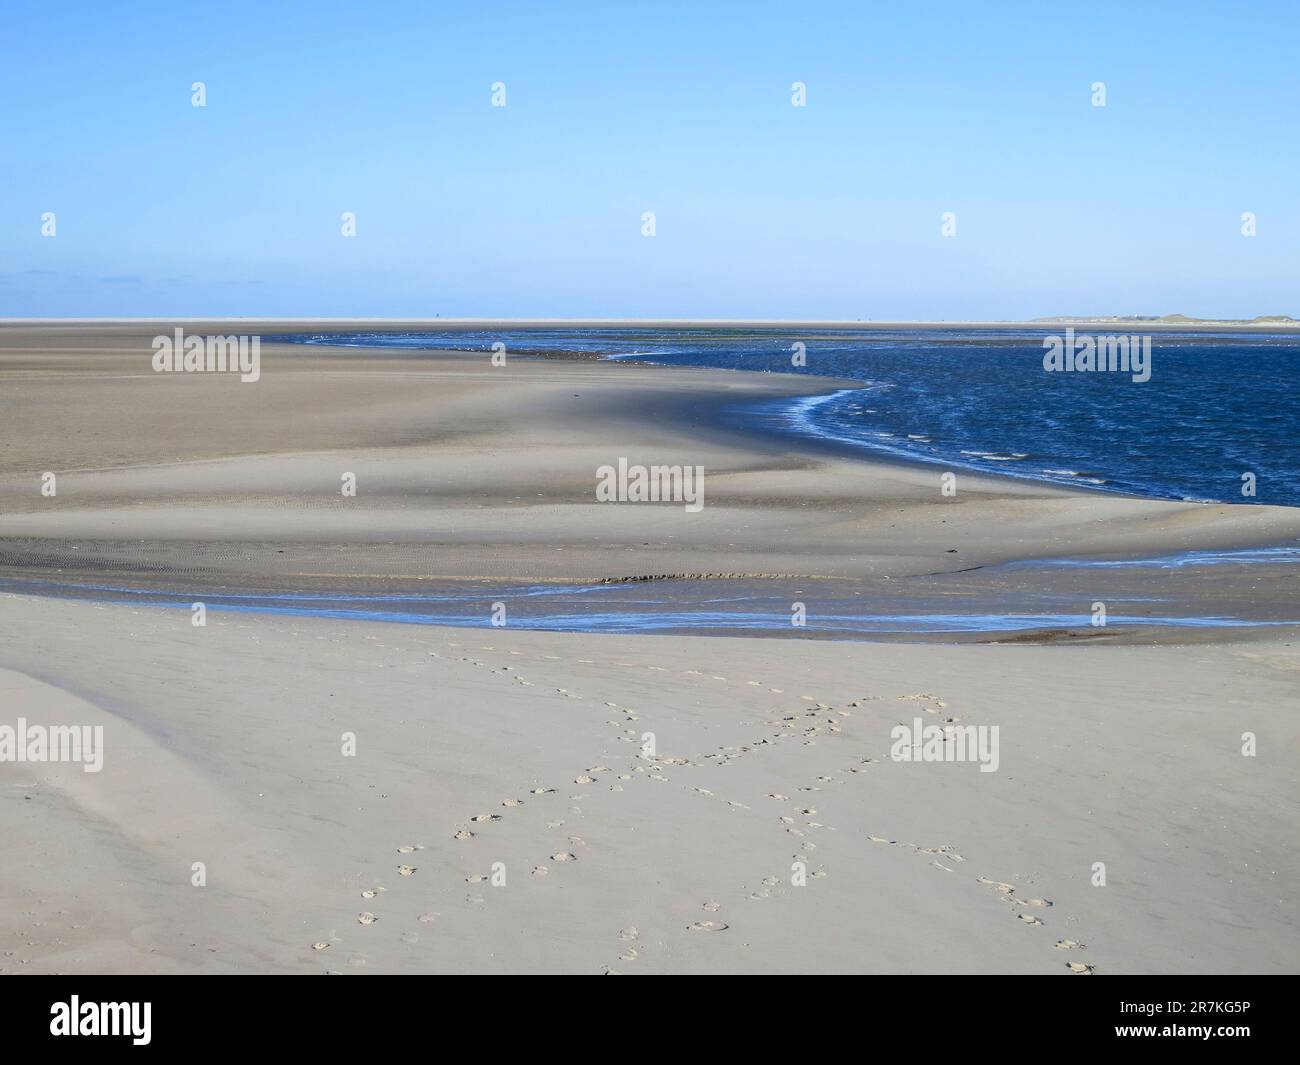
pixel 1174 319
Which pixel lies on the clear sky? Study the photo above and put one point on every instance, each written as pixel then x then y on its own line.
pixel 762 209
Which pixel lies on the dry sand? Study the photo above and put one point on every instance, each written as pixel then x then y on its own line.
pixel 224 744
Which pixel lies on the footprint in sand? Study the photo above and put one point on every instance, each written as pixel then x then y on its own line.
pixel 564 856
pixel 707 926
pixel 366 918
pixel 486 817
pixel 512 802
pixel 1080 967
pixel 1007 892
pixel 629 933
pixel 711 906
pixel 1069 944
pixel 543 791
pixel 630 954
pixel 409 849
pixel 584 779
pixel 428 918
pixel 370 893
pixel 320 946
pixel 539 870
pixel 406 870
pixel 1029 918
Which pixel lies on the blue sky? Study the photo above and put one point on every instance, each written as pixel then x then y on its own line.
pixel 762 209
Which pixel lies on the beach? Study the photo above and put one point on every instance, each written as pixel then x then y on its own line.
pixel 645 803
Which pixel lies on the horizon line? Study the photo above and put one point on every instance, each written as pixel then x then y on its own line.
pixel 1259 323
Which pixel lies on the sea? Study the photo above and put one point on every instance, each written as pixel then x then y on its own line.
pixel 1216 419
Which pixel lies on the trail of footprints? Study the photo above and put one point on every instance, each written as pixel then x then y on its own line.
pixel 1006 892
pixel 812 723
pixel 566 854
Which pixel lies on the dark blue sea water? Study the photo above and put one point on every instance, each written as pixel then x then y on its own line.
pixel 1217 406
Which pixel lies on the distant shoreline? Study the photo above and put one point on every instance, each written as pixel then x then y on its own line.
pixel 345 324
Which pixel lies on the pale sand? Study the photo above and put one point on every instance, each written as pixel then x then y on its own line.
pixel 223 746
pixel 223 742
